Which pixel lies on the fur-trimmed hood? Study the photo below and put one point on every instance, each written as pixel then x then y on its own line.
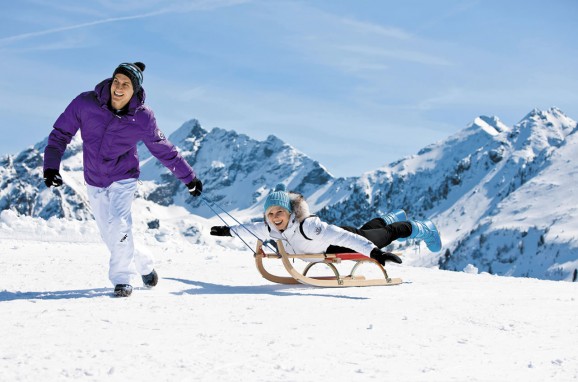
pixel 299 206
pixel 305 233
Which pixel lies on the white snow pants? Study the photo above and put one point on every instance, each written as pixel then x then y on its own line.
pixel 111 207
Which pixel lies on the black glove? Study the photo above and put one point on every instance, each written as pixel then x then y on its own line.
pixel 221 231
pixel 382 257
pixel 195 187
pixel 52 178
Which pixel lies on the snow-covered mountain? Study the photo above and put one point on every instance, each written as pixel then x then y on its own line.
pixel 501 196
pixel 22 188
pixel 238 172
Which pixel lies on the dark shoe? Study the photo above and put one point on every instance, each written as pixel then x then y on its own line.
pixel 388 256
pixel 382 257
pixel 151 279
pixel 122 290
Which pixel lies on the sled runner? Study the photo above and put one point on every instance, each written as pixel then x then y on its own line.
pixel 329 260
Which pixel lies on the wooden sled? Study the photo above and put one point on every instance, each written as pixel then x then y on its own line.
pixel 329 260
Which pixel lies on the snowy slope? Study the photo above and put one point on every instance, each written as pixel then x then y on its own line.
pixel 213 318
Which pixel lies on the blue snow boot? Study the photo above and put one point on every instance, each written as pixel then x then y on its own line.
pixel 395 216
pixel 151 279
pixel 122 290
pixel 426 231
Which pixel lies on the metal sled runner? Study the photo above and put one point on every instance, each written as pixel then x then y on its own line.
pixel 336 281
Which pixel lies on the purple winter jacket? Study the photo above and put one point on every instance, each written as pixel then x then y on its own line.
pixel 109 141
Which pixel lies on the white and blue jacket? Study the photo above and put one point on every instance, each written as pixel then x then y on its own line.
pixel 305 233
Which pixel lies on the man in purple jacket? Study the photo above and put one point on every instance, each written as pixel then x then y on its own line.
pixel 112 119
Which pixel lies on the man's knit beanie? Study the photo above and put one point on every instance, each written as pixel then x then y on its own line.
pixel 132 71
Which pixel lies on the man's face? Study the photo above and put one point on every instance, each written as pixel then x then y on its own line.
pixel 121 91
pixel 279 217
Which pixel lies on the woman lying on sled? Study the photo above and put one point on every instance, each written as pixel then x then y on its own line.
pixel 287 218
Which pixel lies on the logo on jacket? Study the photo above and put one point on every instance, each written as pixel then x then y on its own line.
pixel 318 230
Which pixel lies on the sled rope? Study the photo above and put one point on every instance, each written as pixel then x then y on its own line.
pixel 211 204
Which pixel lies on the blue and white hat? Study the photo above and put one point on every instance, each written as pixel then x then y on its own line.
pixel 279 197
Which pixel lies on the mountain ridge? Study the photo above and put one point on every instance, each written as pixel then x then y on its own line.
pixel 467 183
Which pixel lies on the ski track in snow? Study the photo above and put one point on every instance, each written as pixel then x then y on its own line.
pixel 212 317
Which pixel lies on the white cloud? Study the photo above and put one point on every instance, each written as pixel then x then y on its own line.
pixel 187 6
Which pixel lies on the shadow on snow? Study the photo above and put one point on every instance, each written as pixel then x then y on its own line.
pixel 200 287
pixel 273 290
pixel 55 295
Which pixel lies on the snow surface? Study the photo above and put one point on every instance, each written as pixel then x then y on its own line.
pixel 213 318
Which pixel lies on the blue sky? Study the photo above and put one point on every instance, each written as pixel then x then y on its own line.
pixel 353 84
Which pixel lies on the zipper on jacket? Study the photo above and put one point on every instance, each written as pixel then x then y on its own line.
pixel 102 140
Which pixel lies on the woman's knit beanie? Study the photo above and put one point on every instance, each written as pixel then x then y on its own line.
pixel 279 197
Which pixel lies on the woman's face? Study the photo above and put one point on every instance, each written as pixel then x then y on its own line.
pixel 279 217
pixel 121 91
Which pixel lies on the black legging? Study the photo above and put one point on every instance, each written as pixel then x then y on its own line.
pixel 378 232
